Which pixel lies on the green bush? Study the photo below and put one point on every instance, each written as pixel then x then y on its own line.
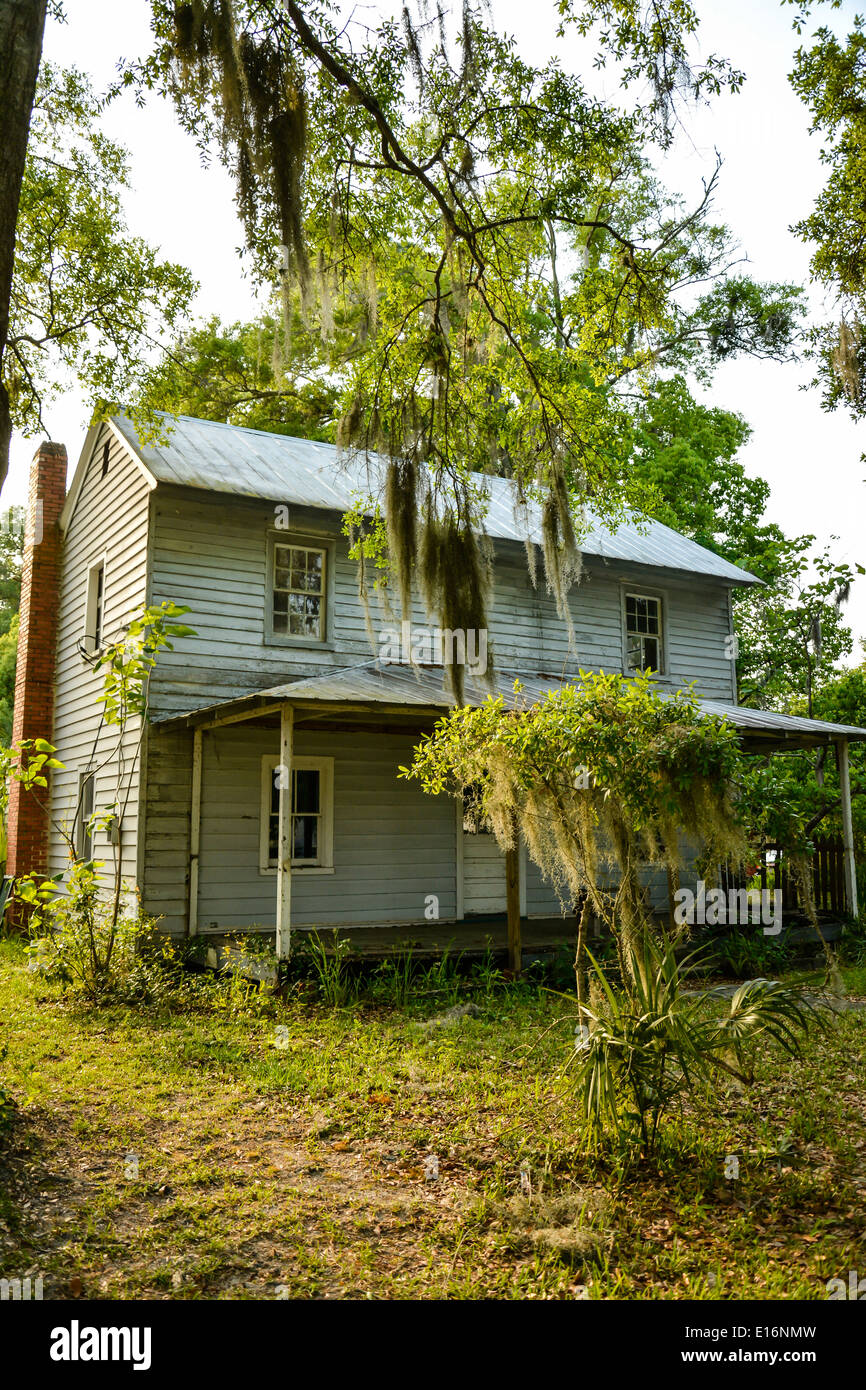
pixel 79 942
pixel 747 953
pixel 642 1046
pixel 7 1104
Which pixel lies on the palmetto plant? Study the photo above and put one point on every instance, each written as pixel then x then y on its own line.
pixel 643 1045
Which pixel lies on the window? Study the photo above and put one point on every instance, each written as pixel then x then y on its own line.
pixel 312 813
pixel 299 591
pixel 299 602
pixel 106 457
pixel 643 632
pixel 94 608
pixel 83 828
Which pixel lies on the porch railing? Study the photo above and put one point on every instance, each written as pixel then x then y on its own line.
pixel 772 867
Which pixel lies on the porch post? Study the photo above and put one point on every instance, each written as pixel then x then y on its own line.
pixel 194 834
pixel 512 902
pixel 284 857
pixel 847 828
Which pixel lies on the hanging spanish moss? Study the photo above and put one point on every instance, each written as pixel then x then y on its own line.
pixel 401 513
pixel 357 532
pixel 454 574
pixel 263 110
pixel 562 556
pixel 655 771
pixel 432 280
pixel 847 364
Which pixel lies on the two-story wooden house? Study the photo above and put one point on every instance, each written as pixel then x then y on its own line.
pixel 244 528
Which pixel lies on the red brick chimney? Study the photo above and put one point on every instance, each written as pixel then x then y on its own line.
pixel 27 827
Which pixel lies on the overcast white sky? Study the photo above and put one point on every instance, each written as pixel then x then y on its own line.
pixel 770 176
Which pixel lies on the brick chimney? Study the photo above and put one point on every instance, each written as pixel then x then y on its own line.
pixel 27 828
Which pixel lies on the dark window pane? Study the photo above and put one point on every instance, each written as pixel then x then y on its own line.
pixel 305 837
pixel 651 654
pixel 306 796
pixel 85 830
pixel 281 612
pixel 306 784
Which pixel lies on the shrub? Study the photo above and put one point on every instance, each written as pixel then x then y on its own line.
pixel 744 952
pixel 7 1104
pixel 79 942
pixel 642 1046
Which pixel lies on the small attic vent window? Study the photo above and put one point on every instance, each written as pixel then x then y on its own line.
pixel 106 453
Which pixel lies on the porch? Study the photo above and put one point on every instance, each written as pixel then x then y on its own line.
pixel 391 867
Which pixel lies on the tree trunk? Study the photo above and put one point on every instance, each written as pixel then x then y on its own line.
pixel 22 23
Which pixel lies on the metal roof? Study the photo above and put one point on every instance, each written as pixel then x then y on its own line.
pixel 397 685
pixel 303 472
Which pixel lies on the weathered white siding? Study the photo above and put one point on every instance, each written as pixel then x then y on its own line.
pixel 110 522
pixel 210 553
pixel 393 846
pixel 483 874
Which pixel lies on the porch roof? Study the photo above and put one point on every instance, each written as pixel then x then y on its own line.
pixel 375 684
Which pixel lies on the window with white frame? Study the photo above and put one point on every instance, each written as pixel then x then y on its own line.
pixel 312 790
pixel 94 608
pixel 299 597
pixel 643 632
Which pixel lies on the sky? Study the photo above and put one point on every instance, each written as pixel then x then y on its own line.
pixel 770 176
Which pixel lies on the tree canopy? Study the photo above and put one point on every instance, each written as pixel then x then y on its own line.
pixel 89 302
pixel 515 270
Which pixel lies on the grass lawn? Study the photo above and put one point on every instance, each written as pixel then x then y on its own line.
pixel 250 1148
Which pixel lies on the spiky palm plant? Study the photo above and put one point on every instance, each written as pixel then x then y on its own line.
pixel 646 1043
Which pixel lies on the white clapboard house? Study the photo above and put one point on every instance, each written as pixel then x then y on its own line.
pixel 244 528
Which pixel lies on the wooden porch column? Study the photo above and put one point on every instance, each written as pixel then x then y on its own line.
pixel 847 827
pixel 512 903
pixel 194 834
pixel 284 858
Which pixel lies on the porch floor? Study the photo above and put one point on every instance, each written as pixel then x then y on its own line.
pixel 473 936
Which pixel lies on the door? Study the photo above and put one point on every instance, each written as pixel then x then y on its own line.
pixel 483 873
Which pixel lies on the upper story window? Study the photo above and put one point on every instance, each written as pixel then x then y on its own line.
pixel 312 813
pixel 643 632
pixel 300 583
pixel 299 591
pixel 94 609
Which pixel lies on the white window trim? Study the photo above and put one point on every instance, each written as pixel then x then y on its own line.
pixel 636 591
pixel 304 540
pixel 88 645
pixel 325 769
